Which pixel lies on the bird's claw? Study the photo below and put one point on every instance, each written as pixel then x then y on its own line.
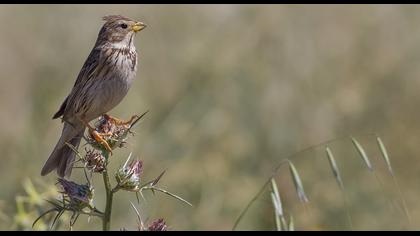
pixel 117 121
pixel 99 139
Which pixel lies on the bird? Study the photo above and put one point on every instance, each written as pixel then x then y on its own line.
pixel 102 83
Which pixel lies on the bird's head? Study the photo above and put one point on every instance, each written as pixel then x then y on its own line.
pixel 119 30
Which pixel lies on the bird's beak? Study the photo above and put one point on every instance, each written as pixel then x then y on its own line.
pixel 138 27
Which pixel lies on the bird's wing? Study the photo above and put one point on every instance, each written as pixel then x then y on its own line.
pixel 85 74
pixel 89 66
pixel 60 111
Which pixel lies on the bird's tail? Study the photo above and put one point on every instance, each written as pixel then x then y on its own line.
pixel 62 157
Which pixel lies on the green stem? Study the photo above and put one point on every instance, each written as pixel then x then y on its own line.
pixel 106 220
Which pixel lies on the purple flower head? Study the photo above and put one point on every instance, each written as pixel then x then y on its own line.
pixel 136 167
pixel 128 176
pixel 80 195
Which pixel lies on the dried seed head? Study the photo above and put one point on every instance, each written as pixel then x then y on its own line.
pixel 94 161
pixel 362 153
pixel 298 183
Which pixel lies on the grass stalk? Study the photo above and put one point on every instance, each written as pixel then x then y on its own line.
pixel 337 176
pixel 387 160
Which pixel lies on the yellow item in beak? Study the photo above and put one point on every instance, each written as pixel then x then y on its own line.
pixel 138 26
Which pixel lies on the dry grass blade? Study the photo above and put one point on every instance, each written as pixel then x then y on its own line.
pixel 385 154
pixel 334 167
pixel 298 183
pixel 362 153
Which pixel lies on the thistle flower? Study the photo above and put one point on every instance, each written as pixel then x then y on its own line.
pixel 158 225
pixel 81 196
pixel 94 161
pixel 128 177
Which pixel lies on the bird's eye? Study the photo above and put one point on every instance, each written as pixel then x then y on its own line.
pixel 124 26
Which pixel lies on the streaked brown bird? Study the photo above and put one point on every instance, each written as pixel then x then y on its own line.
pixel 102 83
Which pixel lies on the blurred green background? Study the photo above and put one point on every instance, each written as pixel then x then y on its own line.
pixel 232 90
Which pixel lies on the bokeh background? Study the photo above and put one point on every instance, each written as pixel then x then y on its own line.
pixel 232 90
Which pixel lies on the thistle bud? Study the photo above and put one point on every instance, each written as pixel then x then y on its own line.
pixel 158 225
pixel 80 196
pixel 128 176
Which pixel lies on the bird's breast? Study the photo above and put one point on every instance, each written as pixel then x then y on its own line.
pixel 115 81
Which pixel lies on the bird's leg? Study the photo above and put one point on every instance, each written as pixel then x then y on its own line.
pixel 98 136
pixel 117 121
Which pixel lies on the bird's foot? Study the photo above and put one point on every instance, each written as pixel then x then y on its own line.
pixel 117 121
pixel 98 137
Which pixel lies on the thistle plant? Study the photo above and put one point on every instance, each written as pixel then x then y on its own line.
pixel 78 198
